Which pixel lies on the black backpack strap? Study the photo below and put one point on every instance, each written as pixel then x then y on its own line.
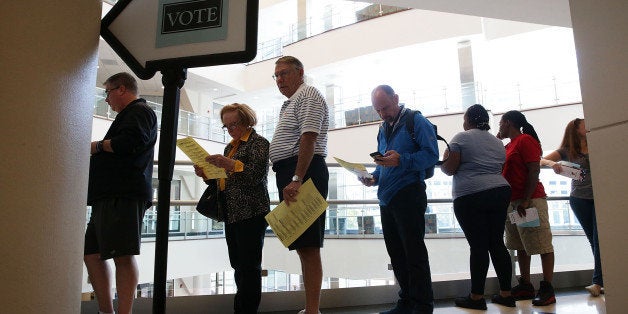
pixel 410 123
pixel 410 126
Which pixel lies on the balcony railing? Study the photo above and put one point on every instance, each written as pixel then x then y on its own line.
pixel 351 217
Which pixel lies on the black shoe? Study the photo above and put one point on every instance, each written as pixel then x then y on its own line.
pixel 523 291
pixel 403 307
pixel 508 301
pixel 545 296
pixel 468 303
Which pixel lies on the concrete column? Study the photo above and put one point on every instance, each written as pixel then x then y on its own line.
pixel 467 77
pixel 301 19
pixel 333 95
pixel 600 32
pixel 48 63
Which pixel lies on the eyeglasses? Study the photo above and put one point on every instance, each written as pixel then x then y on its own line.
pixel 107 91
pixel 283 73
pixel 231 126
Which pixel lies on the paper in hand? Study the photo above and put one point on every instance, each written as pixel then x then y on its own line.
pixel 570 170
pixel 358 169
pixel 531 219
pixel 289 222
pixel 197 154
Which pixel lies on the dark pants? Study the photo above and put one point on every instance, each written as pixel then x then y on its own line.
pixel 584 209
pixel 318 172
pixel 245 240
pixel 403 224
pixel 482 217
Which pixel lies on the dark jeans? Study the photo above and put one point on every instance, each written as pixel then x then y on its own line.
pixel 245 240
pixel 403 224
pixel 482 217
pixel 584 209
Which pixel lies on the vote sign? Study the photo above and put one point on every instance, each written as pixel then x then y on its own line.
pixel 152 35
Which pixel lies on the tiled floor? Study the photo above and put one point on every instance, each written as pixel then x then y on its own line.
pixel 567 302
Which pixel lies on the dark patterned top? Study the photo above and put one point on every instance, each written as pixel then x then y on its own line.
pixel 246 192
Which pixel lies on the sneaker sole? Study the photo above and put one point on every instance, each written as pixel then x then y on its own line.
pixel 523 297
pixel 549 301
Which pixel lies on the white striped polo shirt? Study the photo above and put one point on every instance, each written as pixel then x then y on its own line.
pixel 305 111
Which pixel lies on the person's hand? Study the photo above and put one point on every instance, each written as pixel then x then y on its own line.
pixel 199 172
pixel 367 181
pixel 446 154
pixel 221 161
pixel 291 191
pixel 390 159
pixel 557 168
pixel 521 208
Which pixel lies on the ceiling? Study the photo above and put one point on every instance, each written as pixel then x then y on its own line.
pixel 555 12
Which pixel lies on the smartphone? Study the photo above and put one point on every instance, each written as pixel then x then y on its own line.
pixel 376 155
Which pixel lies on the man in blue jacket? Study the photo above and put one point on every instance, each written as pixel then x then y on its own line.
pixel 400 175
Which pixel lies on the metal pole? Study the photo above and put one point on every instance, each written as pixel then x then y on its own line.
pixel 173 80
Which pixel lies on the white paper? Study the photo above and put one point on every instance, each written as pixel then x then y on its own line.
pixel 570 172
pixel 531 219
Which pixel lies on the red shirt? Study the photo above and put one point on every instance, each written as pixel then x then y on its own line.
pixel 521 150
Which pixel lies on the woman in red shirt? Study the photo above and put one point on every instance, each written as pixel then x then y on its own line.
pixel 521 170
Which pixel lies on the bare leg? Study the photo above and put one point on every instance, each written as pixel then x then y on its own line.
pixel 524 264
pixel 547 263
pixel 99 276
pixel 127 276
pixel 312 269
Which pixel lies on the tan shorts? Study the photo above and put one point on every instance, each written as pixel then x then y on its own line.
pixel 534 240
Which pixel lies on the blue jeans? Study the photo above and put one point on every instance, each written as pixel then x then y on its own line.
pixel 403 224
pixel 584 209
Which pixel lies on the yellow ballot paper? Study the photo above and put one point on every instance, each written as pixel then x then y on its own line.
pixel 197 154
pixel 289 222
pixel 358 169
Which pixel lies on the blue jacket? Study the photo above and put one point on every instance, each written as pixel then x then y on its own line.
pixel 414 158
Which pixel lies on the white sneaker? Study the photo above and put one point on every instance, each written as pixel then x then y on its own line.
pixel 594 290
pixel 303 312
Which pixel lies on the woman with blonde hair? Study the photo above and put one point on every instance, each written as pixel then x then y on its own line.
pixel 246 201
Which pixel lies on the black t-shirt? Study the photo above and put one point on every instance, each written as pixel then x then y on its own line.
pixel 128 171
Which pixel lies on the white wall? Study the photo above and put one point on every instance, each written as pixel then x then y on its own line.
pixel 354 144
pixel 600 32
pixel 360 258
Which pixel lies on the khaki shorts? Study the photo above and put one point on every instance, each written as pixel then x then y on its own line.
pixel 534 240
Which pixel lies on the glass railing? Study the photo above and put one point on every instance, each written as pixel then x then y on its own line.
pixel 190 123
pixel 356 109
pixel 353 214
pixel 354 211
pixel 335 16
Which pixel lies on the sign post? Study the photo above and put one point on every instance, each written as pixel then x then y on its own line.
pixel 171 36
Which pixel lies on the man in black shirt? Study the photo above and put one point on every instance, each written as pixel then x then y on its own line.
pixel 120 191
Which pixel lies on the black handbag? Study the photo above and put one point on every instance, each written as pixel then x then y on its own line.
pixel 211 203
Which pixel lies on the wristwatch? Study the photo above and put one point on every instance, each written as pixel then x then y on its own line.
pixel 296 178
